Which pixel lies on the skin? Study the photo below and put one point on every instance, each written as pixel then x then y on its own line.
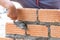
pixel 11 8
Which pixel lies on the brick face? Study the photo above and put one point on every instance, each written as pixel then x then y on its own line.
pixel 38 30
pixel 12 29
pixel 46 15
pixel 55 31
pixel 26 14
pixel 6 39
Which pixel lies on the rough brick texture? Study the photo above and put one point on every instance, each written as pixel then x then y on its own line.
pixel 46 15
pixel 6 39
pixel 38 30
pixel 34 30
pixel 55 31
pixel 26 14
pixel 12 29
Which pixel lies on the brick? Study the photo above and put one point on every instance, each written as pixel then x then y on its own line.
pixel 13 29
pixel 38 30
pixel 26 14
pixel 49 15
pixel 55 31
pixel 6 39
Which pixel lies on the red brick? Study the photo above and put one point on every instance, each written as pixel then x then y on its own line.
pixel 38 30
pixel 49 15
pixel 26 14
pixel 55 31
pixel 13 29
pixel 6 39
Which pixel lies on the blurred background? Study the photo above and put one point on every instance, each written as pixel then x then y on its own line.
pixel 5 19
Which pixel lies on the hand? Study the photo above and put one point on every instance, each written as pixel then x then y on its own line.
pixel 13 16
pixel 11 8
pixel 12 13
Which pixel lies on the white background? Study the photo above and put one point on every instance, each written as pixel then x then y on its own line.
pixel 4 19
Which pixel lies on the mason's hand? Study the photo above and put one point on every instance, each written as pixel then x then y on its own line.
pixel 12 13
pixel 11 8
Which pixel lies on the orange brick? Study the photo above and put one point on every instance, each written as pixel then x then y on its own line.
pixel 49 15
pixel 13 29
pixel 26 14
pixel 6 39
pixel 55 31
pixel 38 30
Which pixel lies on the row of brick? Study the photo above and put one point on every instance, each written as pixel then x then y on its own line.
pixel 34 30
pixel 6 39
pixel 9 39
pixel 44 15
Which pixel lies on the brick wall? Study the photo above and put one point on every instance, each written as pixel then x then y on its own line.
pixel 31 15
pixel 44 15
pixel 34 30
